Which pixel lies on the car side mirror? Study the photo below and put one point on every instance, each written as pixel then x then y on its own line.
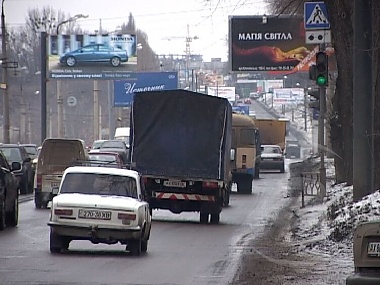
pixel 16 165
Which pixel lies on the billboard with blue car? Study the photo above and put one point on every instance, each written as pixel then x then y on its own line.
pixel 124 90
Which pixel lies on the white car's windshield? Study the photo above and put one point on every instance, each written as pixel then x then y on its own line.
pixel 99 184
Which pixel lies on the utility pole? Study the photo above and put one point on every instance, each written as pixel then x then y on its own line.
pixel 4 79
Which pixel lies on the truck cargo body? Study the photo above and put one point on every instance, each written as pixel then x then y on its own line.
pixel 181 144
pixel 272 131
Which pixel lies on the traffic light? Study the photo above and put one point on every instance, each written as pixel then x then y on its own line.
pixel 321 68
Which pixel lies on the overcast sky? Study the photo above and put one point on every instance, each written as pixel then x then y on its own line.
pixel 160 19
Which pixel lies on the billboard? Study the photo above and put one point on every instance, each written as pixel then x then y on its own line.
pixel 288 95
pixel 91 56
pixel 223 92
pixel 124 90
pixel 266 43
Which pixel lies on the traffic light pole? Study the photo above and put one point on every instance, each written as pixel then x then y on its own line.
pixel 321 133
pixel 321 140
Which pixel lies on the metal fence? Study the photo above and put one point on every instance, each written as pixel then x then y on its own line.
pixel 310 185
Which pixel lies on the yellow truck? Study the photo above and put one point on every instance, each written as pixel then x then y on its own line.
pixel 245 152
pixel 272 131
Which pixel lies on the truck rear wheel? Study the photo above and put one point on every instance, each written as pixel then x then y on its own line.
pixel 244 186
pixel 215 218
pixel 203 218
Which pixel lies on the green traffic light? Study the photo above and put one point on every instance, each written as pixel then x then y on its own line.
pixel 321 80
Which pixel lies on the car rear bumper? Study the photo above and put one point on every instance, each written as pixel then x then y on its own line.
pixel 265 164
pixel 95 232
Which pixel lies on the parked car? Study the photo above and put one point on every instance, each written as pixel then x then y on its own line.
pixel 95 53
pixel 8 193
pixel 272 157
pixel 106 159
pixel 101 205
pixel 25 175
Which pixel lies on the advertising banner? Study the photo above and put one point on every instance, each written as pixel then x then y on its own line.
pixel 266 43
pixel 124 90
pixel 288 95
pixel 88 56
pixel 223 92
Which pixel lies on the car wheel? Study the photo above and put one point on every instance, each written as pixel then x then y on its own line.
pixel 134 246
pixel 115 61
pixel 12 217
pixel 55 242
pixel 144 245
pixel 65 243
pixel 71 61
pixel 2 212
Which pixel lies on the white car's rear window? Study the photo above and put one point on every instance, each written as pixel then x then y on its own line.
pixel 99 184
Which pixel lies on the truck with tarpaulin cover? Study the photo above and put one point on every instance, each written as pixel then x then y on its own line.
pixel 180 142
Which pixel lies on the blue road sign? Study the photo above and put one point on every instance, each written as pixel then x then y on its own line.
pixel 124 90
pixel 315 16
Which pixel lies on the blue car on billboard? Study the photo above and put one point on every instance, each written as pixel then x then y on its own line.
pixel 95 53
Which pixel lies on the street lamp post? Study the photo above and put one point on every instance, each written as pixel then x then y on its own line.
pixel 4 79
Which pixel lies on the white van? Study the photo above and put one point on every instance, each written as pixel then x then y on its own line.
pixel 55 156
pixel 123 134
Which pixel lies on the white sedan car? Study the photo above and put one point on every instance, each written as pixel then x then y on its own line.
pixel 272 157
pixel 101 205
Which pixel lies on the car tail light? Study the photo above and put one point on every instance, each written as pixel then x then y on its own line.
pixel 207 184
pixel 63 212
pixel 39 181
pixel 126 216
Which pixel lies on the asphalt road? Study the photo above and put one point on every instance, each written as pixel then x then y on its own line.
pixel 180 251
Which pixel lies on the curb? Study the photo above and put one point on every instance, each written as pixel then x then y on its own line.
pixel 25 198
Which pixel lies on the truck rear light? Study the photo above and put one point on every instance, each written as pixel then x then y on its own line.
pixel 39 181
pixel 63 212
pixel 207 184
pixel 126 216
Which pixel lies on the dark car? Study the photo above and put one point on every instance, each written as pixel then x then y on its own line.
pixel 32 151
pixel 106 159
pixel 118 146
pixel 95 53
pixel 25 175
pixel 8 193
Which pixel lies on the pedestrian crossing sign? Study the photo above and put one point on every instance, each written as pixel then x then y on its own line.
pixel 315 16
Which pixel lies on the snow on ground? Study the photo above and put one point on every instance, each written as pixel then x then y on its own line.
pixel 327 228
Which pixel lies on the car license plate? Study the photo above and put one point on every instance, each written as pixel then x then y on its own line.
pixel 55 187
pixel 373 249
pixel 94 214
pixel 175 183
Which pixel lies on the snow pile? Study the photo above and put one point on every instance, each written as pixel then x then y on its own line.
pixel 327 228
